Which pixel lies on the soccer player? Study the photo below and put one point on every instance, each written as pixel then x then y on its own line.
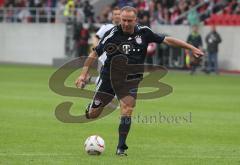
pixel 132 41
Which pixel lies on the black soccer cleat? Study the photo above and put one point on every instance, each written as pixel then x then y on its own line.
pixel 121 150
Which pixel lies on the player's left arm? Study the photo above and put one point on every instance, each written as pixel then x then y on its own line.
pixel 158 38
pixel 179 43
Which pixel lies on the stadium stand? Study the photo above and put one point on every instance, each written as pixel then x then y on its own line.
pixel 160 11
pixel 168 12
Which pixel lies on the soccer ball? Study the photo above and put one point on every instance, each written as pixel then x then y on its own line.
pixel 94 145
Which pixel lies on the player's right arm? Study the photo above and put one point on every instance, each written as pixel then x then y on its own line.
pixel 98 51
pixel 81 80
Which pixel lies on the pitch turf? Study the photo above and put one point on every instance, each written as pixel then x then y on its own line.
pixel 30 133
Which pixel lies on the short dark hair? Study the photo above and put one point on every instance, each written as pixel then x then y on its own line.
pixel 116 8
pixel 129 8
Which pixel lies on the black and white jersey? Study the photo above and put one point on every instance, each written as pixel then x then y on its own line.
pixel 103 29
pixel 133 46
pixel 100 33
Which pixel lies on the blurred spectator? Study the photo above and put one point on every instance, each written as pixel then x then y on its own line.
pixel 166 16
pixel 42 15
pixel 10 13
pixel 143 16
pixel 232 6
pixel 193 16
pixel 69 9
pixel 34 4
pixel 81 36
pixel 51 4
pixel 79 15
pixel 213 39
pixel 23 14
pixel 152 7
pixel 175 12
pixel 60 10
pixel 182 7
pixel 196 40
pixel 237 11
pixel 160 11
pixel 88 11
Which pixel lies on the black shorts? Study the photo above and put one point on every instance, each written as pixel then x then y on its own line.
pixel 106 91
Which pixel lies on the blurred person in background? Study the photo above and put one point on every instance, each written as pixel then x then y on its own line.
pixel 60 11
pixel 10 12
pixel 81 36
pixel 69 9
pixel 88 12
pixel 33 4
pixel 193 16
pixel 195 39
pixel 237 10
pixel 213 39
pixel 143 17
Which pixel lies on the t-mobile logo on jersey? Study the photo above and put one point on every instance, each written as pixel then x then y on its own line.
pixel 126 48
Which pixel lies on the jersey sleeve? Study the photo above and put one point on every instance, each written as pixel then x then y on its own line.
pixel 154 37
pixel 100 33
pixel 103 29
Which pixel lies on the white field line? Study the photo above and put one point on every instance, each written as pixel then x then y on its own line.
pixel 161 156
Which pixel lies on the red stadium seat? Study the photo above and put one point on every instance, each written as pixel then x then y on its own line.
pixel 238 19
pixel 234 19
pixel 226 19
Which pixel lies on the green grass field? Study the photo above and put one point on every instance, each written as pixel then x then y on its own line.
pixel 30 133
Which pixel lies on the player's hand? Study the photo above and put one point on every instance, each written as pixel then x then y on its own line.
pixel 197 52
pixel 81 81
